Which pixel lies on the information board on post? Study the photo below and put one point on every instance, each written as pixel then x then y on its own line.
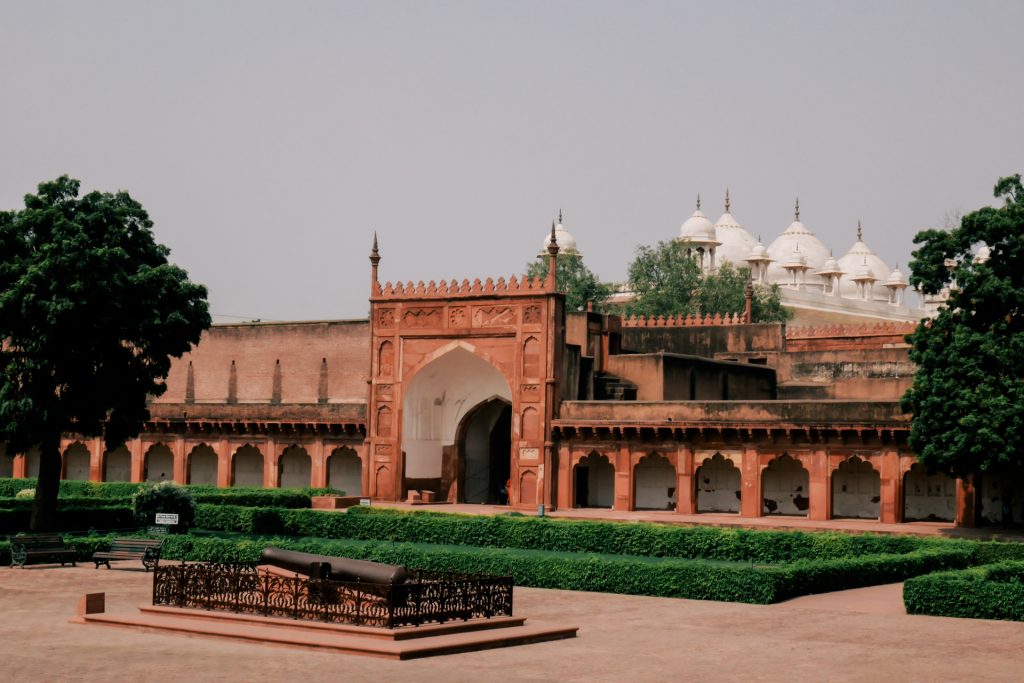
pixel 166 518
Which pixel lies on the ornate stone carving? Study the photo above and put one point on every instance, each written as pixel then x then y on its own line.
pixel 457 316
pixel 530 393
pixel 421 317
pixel 494 316
pixel 386 317
pixel 531 314
pixel 384 389
pixel 529 454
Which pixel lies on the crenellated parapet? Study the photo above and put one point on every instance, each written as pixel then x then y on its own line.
pixel 862 330
pixel 450 289
pixel 689 320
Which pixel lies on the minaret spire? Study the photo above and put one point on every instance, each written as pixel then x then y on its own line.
pixel 374 261
pixel 796 211
pixel 728 207
pixel 552 280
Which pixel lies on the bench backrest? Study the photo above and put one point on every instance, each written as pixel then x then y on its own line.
pixel 130 545
pixel 40 541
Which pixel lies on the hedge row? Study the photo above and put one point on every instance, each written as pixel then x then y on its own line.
pixel 665 577
pixel 253 495
pixel 993 591
pixel 71 518
pixel 501 531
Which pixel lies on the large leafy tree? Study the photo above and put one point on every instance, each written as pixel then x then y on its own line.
pixel 967 398
pixel 665 281
pixel 575 280
pixel 91 313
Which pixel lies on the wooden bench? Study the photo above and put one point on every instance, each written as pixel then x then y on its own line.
pixel 145 549
pixel 43 548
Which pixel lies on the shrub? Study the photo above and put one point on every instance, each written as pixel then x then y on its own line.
pixel 25 494
pixel 993 591
pixel 72 518
pixel 165 497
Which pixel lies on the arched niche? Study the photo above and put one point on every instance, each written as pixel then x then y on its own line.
pixel 247 467
pixel 76 462
pixel 117 464
pixel 484 449
pixel 202 465
pixel 345 471
pixel 856 490
pixel 436 400
pixel 594 482
pixel 785 484
pixel 718 485
pixel 159 463
pixel 295 468
pixel 928 496
pixel 654 483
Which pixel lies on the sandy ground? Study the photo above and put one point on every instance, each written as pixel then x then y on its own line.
pixel 860 635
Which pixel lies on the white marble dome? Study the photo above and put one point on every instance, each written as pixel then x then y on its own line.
pixel 896 278
pixel 853 261
pixel 795 237
pixel 698 229
pixel 563 238
pixel 736 244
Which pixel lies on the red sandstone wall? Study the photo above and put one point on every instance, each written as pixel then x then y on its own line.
pixel 257 348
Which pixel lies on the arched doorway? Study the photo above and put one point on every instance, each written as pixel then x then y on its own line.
pixel 345 471
pixel 1002 497
pixel 718 485
pixel 159 463
pixel 928 497
pixel 654 483
pixel 202 465
pixel 437 402
pixel 247 467
pixel 76 462
pixel 117 465
pixel 295 468
pixel 785 484
pixel 484 450
pixel 594 482
pixel 856 490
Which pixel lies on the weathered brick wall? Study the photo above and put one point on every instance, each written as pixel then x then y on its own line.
pixel 256 348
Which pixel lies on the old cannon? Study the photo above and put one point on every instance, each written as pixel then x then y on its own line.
pixel 338 568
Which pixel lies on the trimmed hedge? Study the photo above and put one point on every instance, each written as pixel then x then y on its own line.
pixel 664 577
pixel 502 531
pixel 202 493
pixel 71 518
pixel 992 591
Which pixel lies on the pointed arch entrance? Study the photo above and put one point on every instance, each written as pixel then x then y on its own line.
pixel 452 420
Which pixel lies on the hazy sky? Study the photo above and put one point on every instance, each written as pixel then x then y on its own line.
pixel 269 140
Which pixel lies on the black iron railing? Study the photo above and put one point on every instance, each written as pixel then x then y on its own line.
pixel 243 588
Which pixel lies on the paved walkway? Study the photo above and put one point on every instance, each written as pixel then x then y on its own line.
pixel 727 520
pixel 622 638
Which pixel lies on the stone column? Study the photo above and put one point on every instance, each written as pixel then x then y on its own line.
pixel 966 493
pixel 751 503
pixel 564 476
pixel 224 463
pixel 820 484
pixel 19 466
pixel 623 479
pixel 891 485
pixel 136 448
pixel 271 477
pixel 96 459
pixel 318 456
pixel 686 492
pixel 180 460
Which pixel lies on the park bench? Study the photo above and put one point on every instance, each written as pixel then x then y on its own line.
pixel 145 549
pixel 28 549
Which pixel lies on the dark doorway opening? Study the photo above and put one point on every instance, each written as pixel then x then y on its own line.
pixel 485 451
pixel 582 486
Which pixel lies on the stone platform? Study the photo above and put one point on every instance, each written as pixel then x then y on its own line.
pixel 409 642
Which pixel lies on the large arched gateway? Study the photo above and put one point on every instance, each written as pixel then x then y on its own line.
pixel 457 428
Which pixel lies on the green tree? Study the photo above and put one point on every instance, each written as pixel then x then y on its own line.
pixel 665 281
pixel 91 313
pixel 575 280
pixel 967 398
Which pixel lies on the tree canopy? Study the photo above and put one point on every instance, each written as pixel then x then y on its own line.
pixel 91 313
pixel 665 281
pixel 575 280
pixel 967 398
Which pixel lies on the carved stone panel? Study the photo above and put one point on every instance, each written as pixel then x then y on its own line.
pixel 532 314
pixel 457 316
pixel 386 317
pixel 530 393
pixel 421 317
pixel 494 316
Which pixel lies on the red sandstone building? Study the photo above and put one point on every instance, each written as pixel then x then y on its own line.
pixel 490 392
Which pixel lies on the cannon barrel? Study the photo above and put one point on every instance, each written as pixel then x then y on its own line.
pixel 336 568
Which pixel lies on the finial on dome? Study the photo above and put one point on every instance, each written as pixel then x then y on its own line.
pixel 796 211
pixel 860 234
pixel 374 253
pixel 698 201
pixel 727 204
pixel 560 217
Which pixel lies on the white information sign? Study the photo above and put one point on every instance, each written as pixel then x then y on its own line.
pixel 364 501
pixel 166 518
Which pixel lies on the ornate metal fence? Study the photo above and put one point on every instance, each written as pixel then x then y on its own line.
pixel 242 588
